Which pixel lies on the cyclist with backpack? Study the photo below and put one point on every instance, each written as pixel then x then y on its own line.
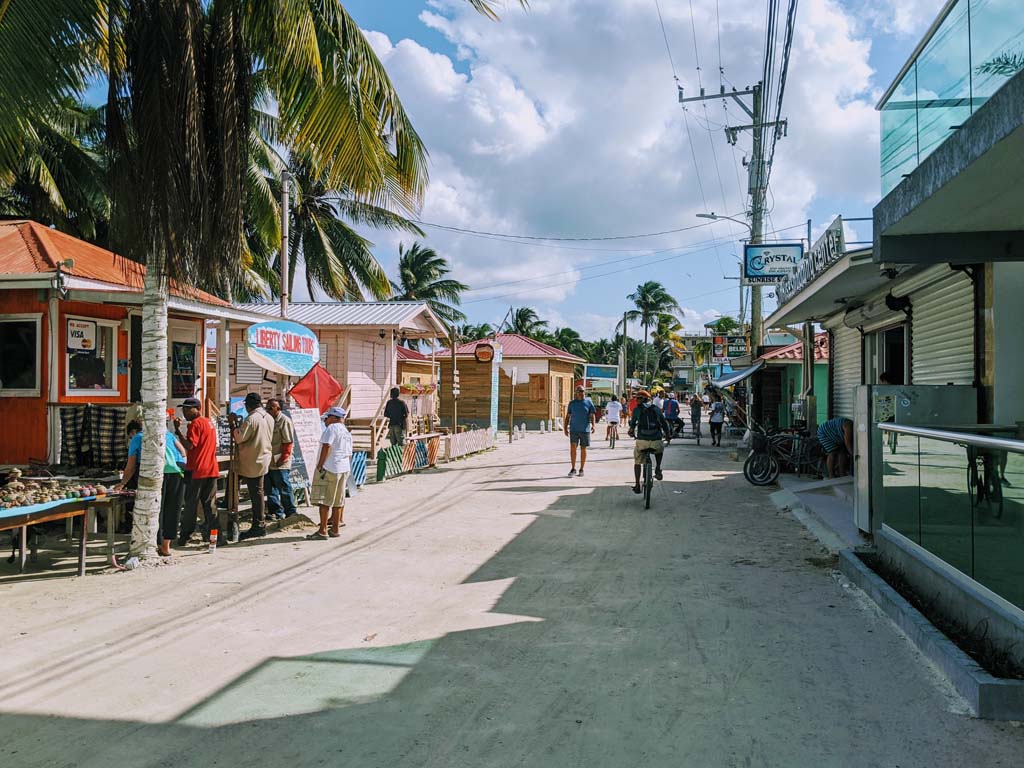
pixel 647 424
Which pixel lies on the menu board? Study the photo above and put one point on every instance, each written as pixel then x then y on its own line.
pixel 223 436
pixel 305 451
pixel 183 369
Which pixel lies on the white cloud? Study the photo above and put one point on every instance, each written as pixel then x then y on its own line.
pixel 566 123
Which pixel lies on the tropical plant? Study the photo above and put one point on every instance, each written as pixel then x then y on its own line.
pixel 569 340
pixel 652 303
pixel 421 277
pixel 469 332
pixel 702 351
pixel 668 344
pixel 724 325
pixel 59 180
pixel 1007 64
pixel 526 322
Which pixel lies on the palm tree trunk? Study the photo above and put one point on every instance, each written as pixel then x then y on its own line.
pixel 646 352
pixel 146 516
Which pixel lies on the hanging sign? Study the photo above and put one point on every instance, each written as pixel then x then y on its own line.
pixel 81 336
pixel 484 353
pixel 719 349
pixel 770 263
pixel 591 371
pixel 281 346
pixel 827 250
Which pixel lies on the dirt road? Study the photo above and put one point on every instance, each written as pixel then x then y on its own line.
pixel 490 613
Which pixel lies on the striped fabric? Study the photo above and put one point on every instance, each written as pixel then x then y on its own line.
pixel 109 447
pixel 74 435
pixel 830 434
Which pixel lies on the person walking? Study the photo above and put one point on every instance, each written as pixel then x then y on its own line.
pixel 716 420
pixel 397 413
pixel 332 469
pixel 670 407
pixel 253 438
pixel 280 498
pixel 696 406
pixel 580 418
pixel 201 470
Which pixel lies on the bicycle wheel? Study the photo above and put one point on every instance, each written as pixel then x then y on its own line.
pixel 761 469
pixel 648 481
pixel 611 438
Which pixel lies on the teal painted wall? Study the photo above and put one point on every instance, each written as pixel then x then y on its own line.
pixel 793 373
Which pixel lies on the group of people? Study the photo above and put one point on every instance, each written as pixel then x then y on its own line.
pixel 651 418
pixel 265 440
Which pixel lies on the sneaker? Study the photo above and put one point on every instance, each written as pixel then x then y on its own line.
pixel 572 472
pixel 253 533
pixel 580 473
pixel 657 474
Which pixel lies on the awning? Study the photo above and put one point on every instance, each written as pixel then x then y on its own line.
pixel 738 376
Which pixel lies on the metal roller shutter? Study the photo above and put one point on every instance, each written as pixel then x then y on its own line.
pixel 845 358
pixel 942 332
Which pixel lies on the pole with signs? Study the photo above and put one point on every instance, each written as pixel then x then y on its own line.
pixel 455 385
pixel 512 403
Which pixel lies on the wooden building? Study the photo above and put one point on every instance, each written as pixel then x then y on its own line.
pixel 358 347
pixel 544 380
pixel 71 336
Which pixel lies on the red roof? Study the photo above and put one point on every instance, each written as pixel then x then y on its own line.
pixel 795 351
pixel 517 345
pixel 27 247
pixel 404 353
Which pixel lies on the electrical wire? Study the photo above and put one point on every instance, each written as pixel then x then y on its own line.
pixel 460 230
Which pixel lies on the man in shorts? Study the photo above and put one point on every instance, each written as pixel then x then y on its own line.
pixel 580 418
pixel 332 469
pixel 647 425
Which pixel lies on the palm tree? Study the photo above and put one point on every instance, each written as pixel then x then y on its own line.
pixel 469 332
pixel 421 277
pixel 668 344
pixel 652 303
pixel 569 340
pixel 702 351
pixel 526 322
pixel 724 325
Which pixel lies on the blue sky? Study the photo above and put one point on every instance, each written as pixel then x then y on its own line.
pixel 562 122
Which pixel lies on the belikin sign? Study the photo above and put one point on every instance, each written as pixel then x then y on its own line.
pixel 281 346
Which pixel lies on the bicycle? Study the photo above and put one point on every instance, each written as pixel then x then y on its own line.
pixel 648 476
pixel 771 451
pixel 613 434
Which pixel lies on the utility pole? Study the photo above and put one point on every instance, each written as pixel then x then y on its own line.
pixel 756 175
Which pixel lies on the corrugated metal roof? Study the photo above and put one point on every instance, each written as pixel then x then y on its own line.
pixel 795 351
pixel 383 314
pixel 27 247
pixel 516 345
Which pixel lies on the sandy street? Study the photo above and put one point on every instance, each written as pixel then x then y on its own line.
pixel 493 612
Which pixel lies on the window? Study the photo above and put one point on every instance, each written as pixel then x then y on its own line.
pixel 19 355
pixel 885 352
pixel 91 348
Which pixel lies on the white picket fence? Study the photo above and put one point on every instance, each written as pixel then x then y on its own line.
pixel 465 443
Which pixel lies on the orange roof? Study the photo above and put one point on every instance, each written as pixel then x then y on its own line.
pixel 27 247
pixel 795 351
pixel 516 345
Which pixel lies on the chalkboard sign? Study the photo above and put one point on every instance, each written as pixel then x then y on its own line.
pixel 305 450
pixel 223 436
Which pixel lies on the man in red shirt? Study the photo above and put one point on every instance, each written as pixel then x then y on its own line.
pixel 201 470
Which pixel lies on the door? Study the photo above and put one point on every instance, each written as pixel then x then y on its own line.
pixel 135 366
pixel 185 361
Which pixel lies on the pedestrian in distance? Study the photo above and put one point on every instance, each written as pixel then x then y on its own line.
pixel 696 406
pixel 253 437
pixel 397 413
pixel 280 497
pixel 648 426
pixel 717 419
pixel 201 470
pixel 332 470
pixel 836 438
pixel 613 413
pixel 658 400
pixel 670 407
pixel 580 420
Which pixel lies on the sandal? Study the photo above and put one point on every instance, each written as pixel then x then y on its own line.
pixel 334 534
pixel 317 536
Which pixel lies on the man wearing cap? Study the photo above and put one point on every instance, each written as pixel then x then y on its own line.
pixel 332 468
pixel 201 470
pixel 580 418
pixel 280 501
pixel 647 425
pixel 253 438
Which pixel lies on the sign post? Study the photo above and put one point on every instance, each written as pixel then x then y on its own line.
pixel 512 402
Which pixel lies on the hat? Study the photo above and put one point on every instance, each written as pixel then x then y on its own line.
pixel 191 402
pixel 253 399
pixel 337 411
pixel 644 393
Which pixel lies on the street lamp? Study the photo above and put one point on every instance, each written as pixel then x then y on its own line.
pixel 716 217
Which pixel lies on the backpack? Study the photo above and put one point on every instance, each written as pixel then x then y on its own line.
pixel 647 421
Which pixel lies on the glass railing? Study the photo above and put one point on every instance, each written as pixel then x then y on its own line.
pixel 959 495
pixel 971 51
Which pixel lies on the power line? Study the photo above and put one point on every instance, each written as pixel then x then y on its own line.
pixel 460 230
pixel 664 34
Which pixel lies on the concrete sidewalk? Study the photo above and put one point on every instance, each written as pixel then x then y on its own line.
pixel 490 613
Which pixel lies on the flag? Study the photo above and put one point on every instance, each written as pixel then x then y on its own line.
pixel 317 389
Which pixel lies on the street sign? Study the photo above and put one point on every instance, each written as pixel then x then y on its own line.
pixel 770 263
pixel 591 371
pixel 515 376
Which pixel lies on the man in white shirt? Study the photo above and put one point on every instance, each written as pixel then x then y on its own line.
pixel 613 412
pixel 332 469
pixel 658 400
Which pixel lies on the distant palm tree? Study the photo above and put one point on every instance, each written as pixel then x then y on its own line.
pixel 421 277
pixel 702 351
pixel 652 303
pixel 603 351
pixel 569 340
pixel 469 332
pixel 526 322
pixel 668 344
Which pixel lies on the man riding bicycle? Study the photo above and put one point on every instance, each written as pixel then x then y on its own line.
pixel 613 411
pixel 647 424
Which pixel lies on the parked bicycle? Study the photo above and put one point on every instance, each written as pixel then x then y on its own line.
pixel 772 451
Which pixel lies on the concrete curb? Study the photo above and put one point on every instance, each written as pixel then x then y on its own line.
pixel 990 697
pixel 787 501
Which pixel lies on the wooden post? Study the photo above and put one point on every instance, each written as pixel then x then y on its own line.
pixel 455 397
pixel 511 404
